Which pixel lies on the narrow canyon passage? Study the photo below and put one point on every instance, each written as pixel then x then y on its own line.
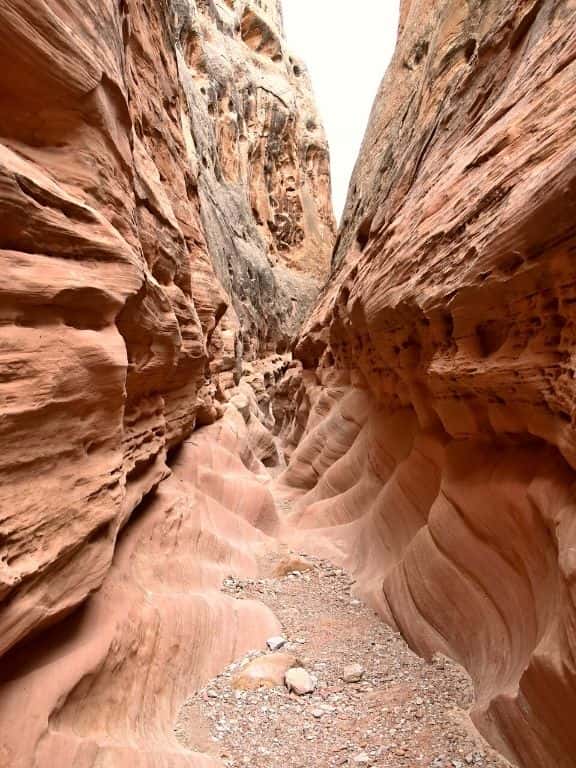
pixel 224 420
pixel 394 710
pixel 204 576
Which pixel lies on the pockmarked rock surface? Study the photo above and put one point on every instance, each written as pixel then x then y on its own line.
pixel 438 458
pixel 164 214
pixel 263 167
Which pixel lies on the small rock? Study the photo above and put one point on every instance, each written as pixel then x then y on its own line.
pixel 264 672
pixel 275 643
pixel 362 759
pixel 318 713
pixel 291 565
pixel 299 681
pixel 353 673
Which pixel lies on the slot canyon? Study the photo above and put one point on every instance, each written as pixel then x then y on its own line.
pixel 224 420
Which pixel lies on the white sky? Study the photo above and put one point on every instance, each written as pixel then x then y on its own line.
pixel 347 48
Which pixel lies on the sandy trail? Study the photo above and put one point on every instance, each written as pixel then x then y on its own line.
pixel 404 712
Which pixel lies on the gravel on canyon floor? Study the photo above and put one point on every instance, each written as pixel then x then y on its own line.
pixel 399 711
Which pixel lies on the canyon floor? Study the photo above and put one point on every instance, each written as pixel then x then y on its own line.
pixel 404 711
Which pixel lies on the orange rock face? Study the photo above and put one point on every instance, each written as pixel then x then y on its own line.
pixel 137 212
pixel 440 450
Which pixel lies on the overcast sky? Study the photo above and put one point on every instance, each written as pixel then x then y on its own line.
pixel 347 48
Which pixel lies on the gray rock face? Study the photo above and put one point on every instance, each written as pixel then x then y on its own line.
pixel 262 166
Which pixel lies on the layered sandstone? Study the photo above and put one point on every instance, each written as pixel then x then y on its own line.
pixel 164 212
pixel 104 686
pixel 440 449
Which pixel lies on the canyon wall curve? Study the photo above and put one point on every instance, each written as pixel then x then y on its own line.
pixel 438 460
pixel 168 241
pixel 149 246
pixel 165 222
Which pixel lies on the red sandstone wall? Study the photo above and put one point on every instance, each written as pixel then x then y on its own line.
pixel 128 227
pixel 443 473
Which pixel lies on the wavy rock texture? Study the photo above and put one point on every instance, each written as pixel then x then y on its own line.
pixel 137 212
pixel 164 216
pixel 103 688
pixel 439 457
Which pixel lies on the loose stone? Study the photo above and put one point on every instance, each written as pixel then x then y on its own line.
pixel 299 681
pixel 353 673
pixel 275 643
